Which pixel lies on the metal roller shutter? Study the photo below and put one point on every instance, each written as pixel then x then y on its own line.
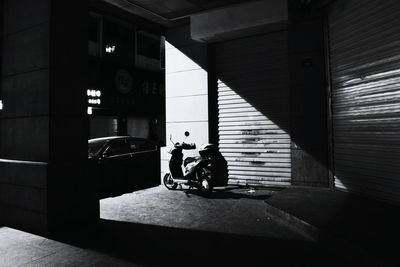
pixel 364 39
pixel 253 105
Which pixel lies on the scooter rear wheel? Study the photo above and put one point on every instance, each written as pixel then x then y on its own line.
pixel 169 182
pixel 204 177
pixel 205 187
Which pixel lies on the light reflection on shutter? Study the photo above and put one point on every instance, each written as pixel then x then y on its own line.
pixel 365 72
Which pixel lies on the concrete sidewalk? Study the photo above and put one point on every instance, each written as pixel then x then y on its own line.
pixel 263 225
pixel 229 210
pixel 18 248
pixel 232 227
pixel 158 227
pixel 296 226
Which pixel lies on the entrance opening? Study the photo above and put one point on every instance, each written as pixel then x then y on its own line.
pixel 158 220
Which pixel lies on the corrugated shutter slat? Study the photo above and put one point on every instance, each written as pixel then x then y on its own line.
pixel 364 39
pixel 253 109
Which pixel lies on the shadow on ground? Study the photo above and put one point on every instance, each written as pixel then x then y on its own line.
pixel 235 192
pixel 169 244
pixel 233 227
pixel 165 246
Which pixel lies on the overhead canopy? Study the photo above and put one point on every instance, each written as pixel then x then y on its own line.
pixel 212 20
pixel 166 12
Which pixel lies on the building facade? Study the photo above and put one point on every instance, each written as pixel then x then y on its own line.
pixel 293 92
pixel 126 86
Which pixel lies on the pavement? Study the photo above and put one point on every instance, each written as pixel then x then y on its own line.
pixel 230 210
pixel 235 226
pixel 18 248
pixel 367 226
pixel 231 227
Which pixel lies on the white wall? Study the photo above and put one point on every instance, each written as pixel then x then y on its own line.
pixel 186 92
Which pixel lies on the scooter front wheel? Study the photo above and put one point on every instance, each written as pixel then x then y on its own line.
pixel 169 182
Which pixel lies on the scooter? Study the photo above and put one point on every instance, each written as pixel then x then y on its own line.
pixel 197 170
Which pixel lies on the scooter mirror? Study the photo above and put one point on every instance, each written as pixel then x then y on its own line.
pixel 187 133
pixel 170 138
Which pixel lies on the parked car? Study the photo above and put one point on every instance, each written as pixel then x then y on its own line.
pixel 122 164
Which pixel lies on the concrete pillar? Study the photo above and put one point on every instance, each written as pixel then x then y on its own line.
pixel 309 104
pixel 43 134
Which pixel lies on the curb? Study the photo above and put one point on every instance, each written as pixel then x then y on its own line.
pixel 317 235
pixel 307 230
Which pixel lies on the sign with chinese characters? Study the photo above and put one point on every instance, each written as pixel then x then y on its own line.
pixel 124 88
pixel 150 87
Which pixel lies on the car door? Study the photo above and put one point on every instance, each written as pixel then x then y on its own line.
pixel 144 163
pixel 115 165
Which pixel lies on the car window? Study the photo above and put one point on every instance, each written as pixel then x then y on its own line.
pixel 117 148
pixel 138 145
pixel 94 147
